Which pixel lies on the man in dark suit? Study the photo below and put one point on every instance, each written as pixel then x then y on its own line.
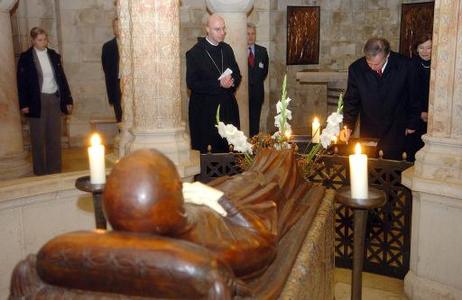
pixel 110 61
pixel 258 70
pixel 380 91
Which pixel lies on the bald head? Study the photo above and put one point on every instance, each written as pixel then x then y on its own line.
pixel 216 29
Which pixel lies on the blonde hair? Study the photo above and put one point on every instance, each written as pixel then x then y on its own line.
pixel 36 31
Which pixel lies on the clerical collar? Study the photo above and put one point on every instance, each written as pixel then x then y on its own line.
pixel 210 42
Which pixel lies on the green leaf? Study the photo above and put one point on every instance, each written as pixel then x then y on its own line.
pixel 218 114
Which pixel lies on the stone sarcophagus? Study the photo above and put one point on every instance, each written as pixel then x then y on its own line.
pixel 274 239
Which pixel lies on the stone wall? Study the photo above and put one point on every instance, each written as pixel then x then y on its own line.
pixel 85 27
pixel 28 14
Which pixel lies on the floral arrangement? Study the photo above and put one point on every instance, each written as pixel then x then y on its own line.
pixel 233 135
pixel 329 134
pixel 283 114
pixel 281 138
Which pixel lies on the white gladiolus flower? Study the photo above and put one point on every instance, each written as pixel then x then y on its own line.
pixel 325 140
pixel 332 129
pixel 221 129
pixel 335 119
pixel 278 107
pixel 230 130
pixel 235 137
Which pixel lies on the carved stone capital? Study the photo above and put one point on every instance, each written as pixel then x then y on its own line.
pixel 229 6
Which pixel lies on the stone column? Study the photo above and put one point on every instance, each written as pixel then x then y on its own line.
pixel 235 14
pixel 436 178
pixel 12 155
pixel 150 62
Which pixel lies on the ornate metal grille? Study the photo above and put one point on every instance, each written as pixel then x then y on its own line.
pixel 217 164
pixel 388 229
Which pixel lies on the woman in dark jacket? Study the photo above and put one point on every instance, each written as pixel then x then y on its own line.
pixel 43 94
pixel 421 64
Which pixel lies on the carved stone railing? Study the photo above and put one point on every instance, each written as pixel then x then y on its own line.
pixel 388 229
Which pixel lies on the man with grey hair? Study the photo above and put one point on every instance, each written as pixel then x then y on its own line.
pixel 380 91
pixel 258 70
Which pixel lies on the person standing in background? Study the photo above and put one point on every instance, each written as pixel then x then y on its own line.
pixel 258 70
pixel 43 94
pixel 211 86
pixel 110 62
pixel 421 63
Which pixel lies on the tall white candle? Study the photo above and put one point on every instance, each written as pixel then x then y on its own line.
pixel 96 158
pixel 315 130
pixel 358 174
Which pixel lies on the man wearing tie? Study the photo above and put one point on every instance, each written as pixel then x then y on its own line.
pixel 258 70
pixel 380 91
pixel 110 61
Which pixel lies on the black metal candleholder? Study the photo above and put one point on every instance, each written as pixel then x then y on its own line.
pixel 376 198
pixel 83 184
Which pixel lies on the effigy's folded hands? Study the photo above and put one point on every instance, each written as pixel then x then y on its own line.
pixel 201 194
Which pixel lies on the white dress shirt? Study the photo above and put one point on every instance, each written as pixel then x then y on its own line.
pixel 49 85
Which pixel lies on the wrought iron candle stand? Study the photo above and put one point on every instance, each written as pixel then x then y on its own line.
pixel 376 199
pixel 84 184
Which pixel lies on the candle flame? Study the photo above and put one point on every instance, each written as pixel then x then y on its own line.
pixel 95 139
pixel 288 134
pixel 316 121
pixel 358 148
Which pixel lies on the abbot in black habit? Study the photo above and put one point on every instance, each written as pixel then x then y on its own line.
pixel 204 64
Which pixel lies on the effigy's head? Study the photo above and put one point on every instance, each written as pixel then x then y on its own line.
pixel 143 193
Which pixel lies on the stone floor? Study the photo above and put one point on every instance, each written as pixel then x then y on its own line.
pixel 375 287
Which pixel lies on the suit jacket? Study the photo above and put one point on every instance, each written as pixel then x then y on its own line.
pixel 258 73
pixel 386 103
pixel 110 61
pixel 29 77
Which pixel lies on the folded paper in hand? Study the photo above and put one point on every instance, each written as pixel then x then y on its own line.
pixel 227 72
pixel 201 194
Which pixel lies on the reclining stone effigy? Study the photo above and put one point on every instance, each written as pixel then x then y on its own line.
pixel 162 247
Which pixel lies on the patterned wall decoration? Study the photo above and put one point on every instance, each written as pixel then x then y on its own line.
pixel 303 25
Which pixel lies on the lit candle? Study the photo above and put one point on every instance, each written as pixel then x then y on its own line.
pixel 96 158
pixel 358 174
pixel 315 130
